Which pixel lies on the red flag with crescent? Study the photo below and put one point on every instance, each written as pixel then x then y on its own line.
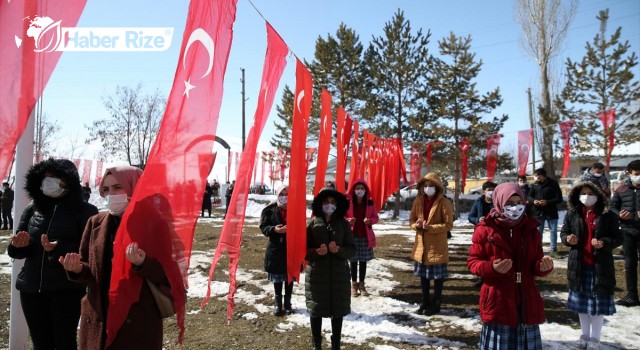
pixel 297 205
pixel 159 217
pixel 565 132
pixel 493 142
pixel 465 146
pixel 324 141
pixel 343 135
pixel 231 235
pixel 310 156
pixel 31 34
pixel 355 154
pixel 99 165
pixel 86 171
pixel 415 164
pixel 608 119
pixel 525 140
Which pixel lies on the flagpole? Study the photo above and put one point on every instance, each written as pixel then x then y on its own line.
pixel 18 332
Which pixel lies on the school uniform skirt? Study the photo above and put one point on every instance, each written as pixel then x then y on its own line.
pixel 496 336
pixel 431 272
pixel 586 301
pixel 363 252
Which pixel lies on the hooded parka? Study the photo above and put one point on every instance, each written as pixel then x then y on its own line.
pixel 328 277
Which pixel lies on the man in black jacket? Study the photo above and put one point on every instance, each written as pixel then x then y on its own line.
pixel 7 205
pixel 545 195
pixel 626 204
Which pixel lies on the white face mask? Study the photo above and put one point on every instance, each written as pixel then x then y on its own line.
pixel 588 199
pixel 51 187
pixel 489 194
pixel 597 174
pixel 635 179
pixel 360 193
pixel 117 203
pixel 429 191
pixel 283 200
pixel 328 208
pixel 513 212
pixel 521 184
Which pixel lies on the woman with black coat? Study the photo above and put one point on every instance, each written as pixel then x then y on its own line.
pixel 273 224
pixel 50 227
pixel 330 245
pixel 592 232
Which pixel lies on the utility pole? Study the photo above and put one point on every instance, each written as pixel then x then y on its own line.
pixel 243 108
pixel 533 127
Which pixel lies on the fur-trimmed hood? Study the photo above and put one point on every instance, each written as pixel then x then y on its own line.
pixel 63 168
pixel 573 200
pixel 342 204
pixel 437 181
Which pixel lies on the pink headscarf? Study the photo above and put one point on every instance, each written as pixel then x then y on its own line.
pixel 126 175
pixel 501 195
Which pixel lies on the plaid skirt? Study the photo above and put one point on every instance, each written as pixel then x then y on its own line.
pixel 431 272
pixel 499 336
pixel 586 301
pixel 363 252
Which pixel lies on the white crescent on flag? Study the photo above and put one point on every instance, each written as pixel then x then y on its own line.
pixel 299 99
pixel 202 36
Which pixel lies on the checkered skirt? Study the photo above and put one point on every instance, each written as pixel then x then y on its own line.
pixel 499 336
pixel 586 301
pixel 437 272
pixel 277 277
pixel 363 252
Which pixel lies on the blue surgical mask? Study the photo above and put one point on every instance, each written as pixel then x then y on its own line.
pixel 328 208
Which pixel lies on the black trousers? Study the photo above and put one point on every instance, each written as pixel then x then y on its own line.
pixel 631 247
pixel 52 318
pixel 7 219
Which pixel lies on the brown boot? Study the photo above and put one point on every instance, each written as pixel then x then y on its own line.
pixel 355 289
pixel 363 290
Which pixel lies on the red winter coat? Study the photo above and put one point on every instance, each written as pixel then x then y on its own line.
pixel 498 295
pixel 371 213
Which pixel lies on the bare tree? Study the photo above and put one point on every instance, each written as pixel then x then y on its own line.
pixel 544 26
pixel 133 125
pixel 45 132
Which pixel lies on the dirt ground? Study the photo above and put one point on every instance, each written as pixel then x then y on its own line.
pixel 208 329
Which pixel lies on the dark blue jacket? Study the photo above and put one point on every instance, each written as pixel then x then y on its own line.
pixel 479 209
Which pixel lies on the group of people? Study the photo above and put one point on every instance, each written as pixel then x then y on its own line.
pixel 68 249
pixel 68 246
pixel 506 252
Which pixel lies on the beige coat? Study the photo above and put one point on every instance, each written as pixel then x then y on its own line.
pixel 431 246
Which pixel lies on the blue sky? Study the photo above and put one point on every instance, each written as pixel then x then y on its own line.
pixel 73 96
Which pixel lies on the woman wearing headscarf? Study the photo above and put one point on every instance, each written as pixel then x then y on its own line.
pixel 329 247
pixel 142 328
pixel 592 232
pixel 431 217
pixel 50 227
pixel 362 215
pixel 506 251
pixel 273 224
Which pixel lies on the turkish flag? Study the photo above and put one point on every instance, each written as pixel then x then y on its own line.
pixel 565 132
pixel 464 150
pixel 343 135
pixel 324 141
pixel 297 205
pixel 30 39
pixel 608 121
pixel 99 165
pixel 364 155
pixel 231 235
pixel 264 156
pixel 355 154
pixel 493 142
pixel 415 164
pixel 86 171
pixel 163 211
pixel 310 155
pixel 525 140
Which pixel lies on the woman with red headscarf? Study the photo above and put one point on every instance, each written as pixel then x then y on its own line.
pixel 506 251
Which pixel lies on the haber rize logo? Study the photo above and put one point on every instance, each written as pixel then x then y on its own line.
pixel 49 35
